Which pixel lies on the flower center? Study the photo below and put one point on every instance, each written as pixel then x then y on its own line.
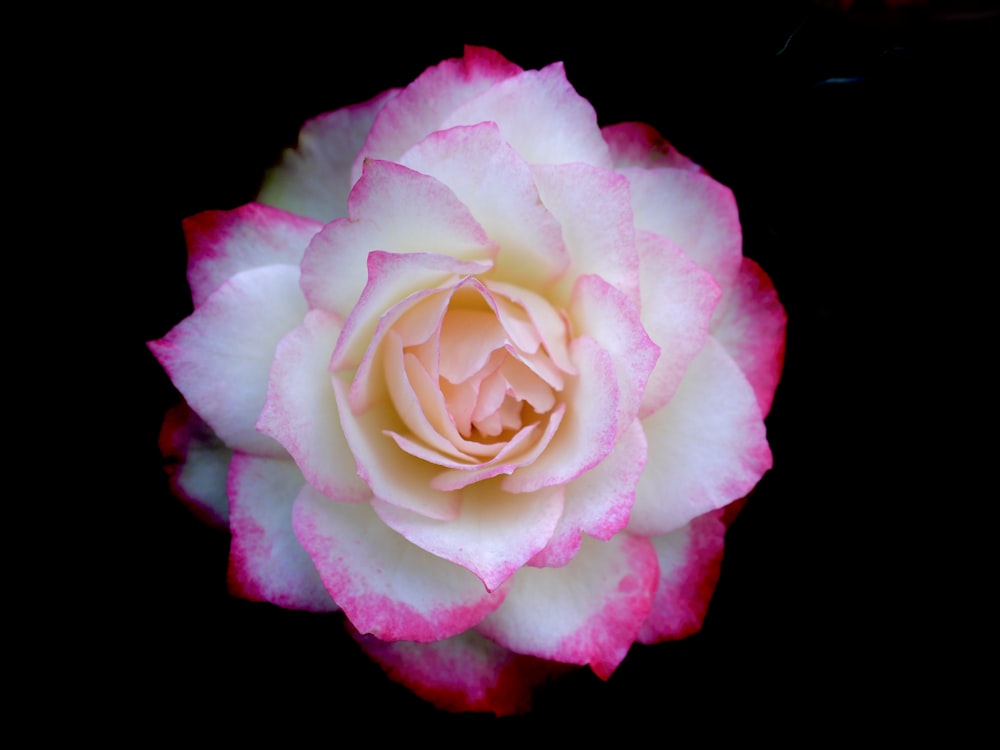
pixel 482 384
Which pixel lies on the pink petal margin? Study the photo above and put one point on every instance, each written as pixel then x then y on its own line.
pixel 266 562
pixel 221 244
pixel 587 612
pixel 636 144
pixel 751 327
pixel 464 673
pixel 690 561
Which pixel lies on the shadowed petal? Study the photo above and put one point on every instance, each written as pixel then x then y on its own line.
pixel 266 561
pixel 314 178
pixel 464 673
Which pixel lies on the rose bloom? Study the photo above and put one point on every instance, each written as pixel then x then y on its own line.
pixel 480 374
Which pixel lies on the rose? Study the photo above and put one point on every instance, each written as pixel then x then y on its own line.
pixel 481 375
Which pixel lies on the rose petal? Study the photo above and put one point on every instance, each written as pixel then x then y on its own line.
pixel 220 356
pixel 301 409
pixel 678 298
pixel 396 210
pixel 636 144
pixel 266 561
pixel 694 212
pixel 494 534
pixel 197 462
pixel 589 429
pixel 707 447
pixel 612 320
pixel 387 586
pixel 393 277
pixel 221 244
pixel 599 501
pixel 752 329
pixel 463 673
pixel 491 179
pixel 314 179
pixel 393 475
pixel 541 115
pixel 593 206
pixel 586 612
pixel 690 559
pixel 423 105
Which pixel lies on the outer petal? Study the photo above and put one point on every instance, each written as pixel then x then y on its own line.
pixel 690 559
pixel 423 105
pixel 197 462
pixel 494 535
pixel 266 561
pixel 220 356
pixel 301 409
pixel 314 179
pixel 589 429
pixel 636 144
pixel 599 501
pixel 387 586
pixel 586 612
pixel 541 116
pixel 752 329
pixel 593 206
pixel 678 298
pixel 396 210
pixel 221 244
pixel 694 212
pixel 601 311
pixel 496 184
pixel 708 446
pixel 464 673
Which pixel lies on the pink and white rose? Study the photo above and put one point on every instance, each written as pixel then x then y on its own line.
pixel 480 374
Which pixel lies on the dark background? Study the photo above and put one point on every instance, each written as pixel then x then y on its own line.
pixel 850 138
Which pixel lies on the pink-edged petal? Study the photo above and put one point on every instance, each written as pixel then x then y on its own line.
pixel 693 211
pixel 612 320
pixel 423 105
pixel 690 560
pixel 197 463
pixel 221 244
pixel 220 356
pixel 497 186
pixel 393 277
pixel 707 447
pixel 541 115
pixel 586 612
pixel 678 298
pixel 589 429
pixel 393 474
pixel 593 205
pixel 301 409
pixel 599 501
pixel 387 586
pixel 494 535
pixel 463 673
pixel 314 178
pixel 394 209
pixel 266 561
pixel 636 144
pixel 751 327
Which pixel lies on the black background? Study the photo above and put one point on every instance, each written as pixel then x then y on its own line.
pixel 849 139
